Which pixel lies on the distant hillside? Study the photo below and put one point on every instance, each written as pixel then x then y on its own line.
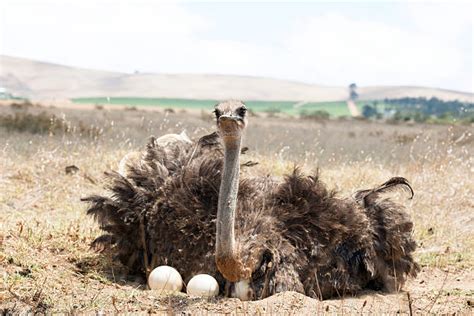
pixel 40 80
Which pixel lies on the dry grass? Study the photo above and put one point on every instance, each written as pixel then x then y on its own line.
pixel 46 263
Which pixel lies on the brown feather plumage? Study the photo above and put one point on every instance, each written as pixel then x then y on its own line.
pixel 293 235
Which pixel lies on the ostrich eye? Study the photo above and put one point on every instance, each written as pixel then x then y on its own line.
pixel 242 111
pixel 217 113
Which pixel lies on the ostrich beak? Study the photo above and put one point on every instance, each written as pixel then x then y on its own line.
pixel 227 118
pixel 229 125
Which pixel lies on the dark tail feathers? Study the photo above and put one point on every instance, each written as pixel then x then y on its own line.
pixel 367 196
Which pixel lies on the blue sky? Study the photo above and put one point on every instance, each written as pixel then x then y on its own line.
pixel 370 43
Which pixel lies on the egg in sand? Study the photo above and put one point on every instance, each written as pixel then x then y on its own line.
pixel 203 285
pixel 165 278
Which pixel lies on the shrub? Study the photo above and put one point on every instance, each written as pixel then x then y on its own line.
pixel 21 106
pixel 369 111
pixel 33 123
pixel 315 115
pixel 45 123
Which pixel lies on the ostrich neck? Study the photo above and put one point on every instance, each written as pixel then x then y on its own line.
pixel 226 254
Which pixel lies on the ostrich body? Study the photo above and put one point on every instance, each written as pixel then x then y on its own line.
pixel 171 143
pixel 258 236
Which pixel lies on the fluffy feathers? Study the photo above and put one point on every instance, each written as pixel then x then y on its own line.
pixel 295 235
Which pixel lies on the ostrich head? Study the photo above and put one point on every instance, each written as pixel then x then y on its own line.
pixel 231 119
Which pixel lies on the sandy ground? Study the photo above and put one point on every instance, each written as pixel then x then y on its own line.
pixel 434 291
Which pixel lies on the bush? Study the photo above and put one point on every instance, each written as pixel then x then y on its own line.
pixel 316 115
pixel 33 123
pixel 272 110
pixel 401 116
pixel 26 104
pixel 369 111
pixel 44 123
pixel 420 117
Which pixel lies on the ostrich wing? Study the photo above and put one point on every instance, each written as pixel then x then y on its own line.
pixel 366 196
pixel 166 189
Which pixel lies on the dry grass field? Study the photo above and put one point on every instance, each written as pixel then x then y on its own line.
pixel 46 264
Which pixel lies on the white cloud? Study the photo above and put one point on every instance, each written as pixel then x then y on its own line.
pixel 374 52
pixel 104 35
pixel 332 48
pixel 445 19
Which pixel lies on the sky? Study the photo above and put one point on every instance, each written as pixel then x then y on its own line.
pixel 327 43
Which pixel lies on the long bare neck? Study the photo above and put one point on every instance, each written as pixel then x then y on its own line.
pixel 227 257
pixel 225 241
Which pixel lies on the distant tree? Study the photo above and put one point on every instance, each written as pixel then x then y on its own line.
pixel 369 111
pixel 432 107
pixel 352 92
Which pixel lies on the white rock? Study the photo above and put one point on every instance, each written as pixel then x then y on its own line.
pixel 165 278
pixel 203 285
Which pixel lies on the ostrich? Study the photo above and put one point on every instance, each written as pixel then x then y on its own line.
pixel 171 143
pixel 256 236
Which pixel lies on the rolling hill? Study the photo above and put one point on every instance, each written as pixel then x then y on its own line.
pixel 41 80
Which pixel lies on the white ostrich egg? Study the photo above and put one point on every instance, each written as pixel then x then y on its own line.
pixel 165 278
pixel 203 285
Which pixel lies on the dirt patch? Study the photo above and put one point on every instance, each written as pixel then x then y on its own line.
pixel 434 291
